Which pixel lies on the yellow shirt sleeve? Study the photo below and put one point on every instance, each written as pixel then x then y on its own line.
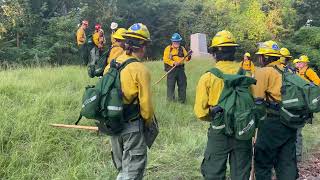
pixel 143 79
pixel 95 38
pixel 313 76
pixel 81 37
pixel 136 81
pixel 166 56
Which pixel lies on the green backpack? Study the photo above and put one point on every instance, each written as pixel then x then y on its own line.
pixel 299 99
pixel 104 101
pixel 239 115
pixel 95 69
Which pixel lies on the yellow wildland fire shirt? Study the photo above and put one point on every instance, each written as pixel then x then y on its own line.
pixel 269 81
pixel 247 65
pixel 210 87
pixel 95 38
pixel 135 82
pixel 170 59
pixel 309 75
pixel 81 36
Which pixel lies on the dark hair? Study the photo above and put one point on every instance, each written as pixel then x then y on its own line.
pixel 224 53
pixel 133 45
pixel 269 59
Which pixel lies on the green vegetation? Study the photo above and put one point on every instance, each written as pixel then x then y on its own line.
pixel 32 98
pixel 36 32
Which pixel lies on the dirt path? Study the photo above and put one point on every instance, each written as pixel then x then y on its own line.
pixel 310 168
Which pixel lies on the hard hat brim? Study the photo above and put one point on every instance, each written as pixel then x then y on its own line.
pixel 225 45
pixel 136 36
pixel 298 61
pixel 268 54
pixel 118 37
pixel 176 40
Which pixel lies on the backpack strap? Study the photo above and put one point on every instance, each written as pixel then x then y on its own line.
pixel 216 72
pixel 80 116
pixel 124 64
pixel 278 69
pixel 130 111
pixel 220 74
pixel 180 51
pixel 241 71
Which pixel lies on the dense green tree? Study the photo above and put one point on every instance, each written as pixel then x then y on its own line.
pixel 43 31
pixel 307 9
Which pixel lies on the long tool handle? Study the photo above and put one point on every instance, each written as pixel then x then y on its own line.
pixel 166 74
pixel 252 174
pixel 90 128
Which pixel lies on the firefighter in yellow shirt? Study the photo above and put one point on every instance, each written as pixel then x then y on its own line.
pixel 305 71
pixel 220 147
pixel 275 143
pixel 97 45
pixel 81 42
pixel 129 149
pixel 173 56
pixel 285 56
pixel 117 48
pixel 247 64
pixel 308 74
pixel 118 44
pixel 98 37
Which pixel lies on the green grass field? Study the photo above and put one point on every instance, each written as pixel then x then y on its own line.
pixel 31 99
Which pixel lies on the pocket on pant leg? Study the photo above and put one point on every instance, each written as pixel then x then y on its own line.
pixel 138 160
pixel 213 167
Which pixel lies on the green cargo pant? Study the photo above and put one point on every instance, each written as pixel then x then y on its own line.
pixel 177 76
pixel 219 149
pixel 84 55
pixel 129 152
pixel 275 148
pixel 94 55
pixel 299 145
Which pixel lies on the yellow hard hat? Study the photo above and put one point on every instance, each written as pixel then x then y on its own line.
pixel 304 58
pixel 247 54
pixel 138 31
pixel 285 53
pixel 269 48
pixel 296 61
pixel 119 34
pixel 222 39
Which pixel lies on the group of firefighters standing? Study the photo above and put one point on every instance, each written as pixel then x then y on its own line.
pixel 275 144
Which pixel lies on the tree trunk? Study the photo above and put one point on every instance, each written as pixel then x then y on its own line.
pixel 18 40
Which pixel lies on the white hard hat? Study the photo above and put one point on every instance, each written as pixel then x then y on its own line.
pixel 114 25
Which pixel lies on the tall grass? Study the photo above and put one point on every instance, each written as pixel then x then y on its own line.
pixel 31 99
